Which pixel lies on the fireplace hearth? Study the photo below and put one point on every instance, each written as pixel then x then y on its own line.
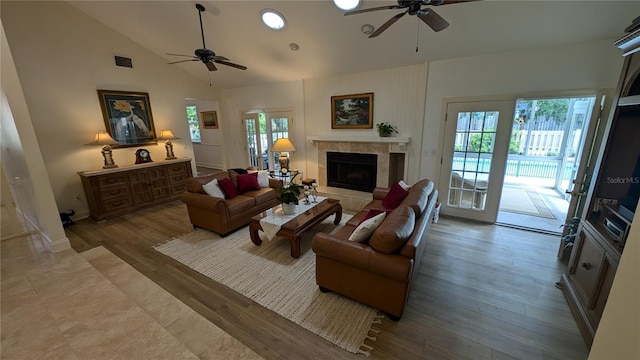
pixel 353 171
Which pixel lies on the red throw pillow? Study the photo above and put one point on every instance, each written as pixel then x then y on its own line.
pixel 227 186
pixel 248 182
pixel 394 197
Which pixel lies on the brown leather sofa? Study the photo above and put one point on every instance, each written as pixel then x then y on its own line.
pixel 226 215
pixel 379 272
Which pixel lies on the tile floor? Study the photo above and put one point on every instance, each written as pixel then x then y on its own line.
pixel 95 306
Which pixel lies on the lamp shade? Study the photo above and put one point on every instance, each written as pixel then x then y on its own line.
pixel 102 138
pixel 282 145
pixel 167 135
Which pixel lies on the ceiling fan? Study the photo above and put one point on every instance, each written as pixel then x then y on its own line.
pixel 413 7
pixel 208 57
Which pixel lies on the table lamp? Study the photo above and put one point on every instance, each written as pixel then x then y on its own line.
pixel 168 135
pixel 103 138
pixel 283 146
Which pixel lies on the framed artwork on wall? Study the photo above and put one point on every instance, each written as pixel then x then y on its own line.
pixel 209 119
pixel 127 117
pixel 352 111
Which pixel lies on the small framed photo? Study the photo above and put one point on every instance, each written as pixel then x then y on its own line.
pixel 352 111
pixel 209 119
pixel 127 117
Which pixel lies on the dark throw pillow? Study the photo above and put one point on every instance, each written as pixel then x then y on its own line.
pixel 394 197
pixel 248 182
pixel 227 186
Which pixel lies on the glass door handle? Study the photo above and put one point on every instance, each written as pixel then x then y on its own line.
pixel 573 193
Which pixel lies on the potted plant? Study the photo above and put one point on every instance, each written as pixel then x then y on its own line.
pixel 385 129
pixel 288 196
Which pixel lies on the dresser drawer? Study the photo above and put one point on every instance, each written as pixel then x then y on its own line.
pixel 114 192
pixel 178 179
pixel 177 169
pixel 117 203
pixel 178 189
pixel 112 180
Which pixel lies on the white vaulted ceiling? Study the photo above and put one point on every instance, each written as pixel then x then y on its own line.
pixel 330 43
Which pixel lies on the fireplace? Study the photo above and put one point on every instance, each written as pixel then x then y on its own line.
pixel 353 171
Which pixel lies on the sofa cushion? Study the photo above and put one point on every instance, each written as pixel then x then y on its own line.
pixel 262 195
pixel 394 197
pixel 418 197
pixel 263 177
pixel 239 204
pixel 247 182
pixel 194 184
pixel 394 231
pixel 228 188
pixel 212 189
pixel 363 231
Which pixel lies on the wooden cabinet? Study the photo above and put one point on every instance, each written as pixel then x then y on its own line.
pixel 611 203
pixel 114 192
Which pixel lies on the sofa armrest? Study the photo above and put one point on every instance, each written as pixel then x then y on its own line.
pixel 362 256
pixel 275 183
pixel 379 193
pixel 203 201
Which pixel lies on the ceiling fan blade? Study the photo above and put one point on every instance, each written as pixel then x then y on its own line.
pixel 211 66
pixel 431 18
pixel 387 24
pixel 218 58
pixel 451 2
pixel 241 67
pixel 373 9
pixel 181 55
pixel 181 61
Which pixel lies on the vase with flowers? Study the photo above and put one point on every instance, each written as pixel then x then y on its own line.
pixel 288 196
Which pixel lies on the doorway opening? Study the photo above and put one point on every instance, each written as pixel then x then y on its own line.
pixel 547 141
pixel 262 129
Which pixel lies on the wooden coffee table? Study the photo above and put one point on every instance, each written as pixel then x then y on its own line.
pixel 294 228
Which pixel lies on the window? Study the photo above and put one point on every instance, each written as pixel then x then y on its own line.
pixel 194 123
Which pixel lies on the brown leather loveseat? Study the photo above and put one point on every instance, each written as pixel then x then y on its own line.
pixel 378 272
pixel 224 215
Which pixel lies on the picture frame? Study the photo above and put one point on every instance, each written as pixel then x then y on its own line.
pixel 209 119
pixel 352 111
pixel 127 117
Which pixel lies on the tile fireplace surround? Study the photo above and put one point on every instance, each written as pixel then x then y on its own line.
pixel 352 199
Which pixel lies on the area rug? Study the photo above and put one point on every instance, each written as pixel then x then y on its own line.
pixel 524 201
pixel 268 275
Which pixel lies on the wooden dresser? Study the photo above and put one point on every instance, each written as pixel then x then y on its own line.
pixel 114 192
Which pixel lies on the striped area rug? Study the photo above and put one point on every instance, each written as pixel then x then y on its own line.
pixel 268 275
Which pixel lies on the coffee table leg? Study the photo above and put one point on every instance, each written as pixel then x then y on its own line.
pixel 295 246
pixel 338 218
pixel 253 232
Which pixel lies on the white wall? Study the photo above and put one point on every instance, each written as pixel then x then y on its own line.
pixel 398 98
pixel 584 66
pixel 210 151
pixel 22 159
pixel 62 57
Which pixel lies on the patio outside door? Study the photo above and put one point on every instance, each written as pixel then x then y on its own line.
pixel 474 158
pixel 261 132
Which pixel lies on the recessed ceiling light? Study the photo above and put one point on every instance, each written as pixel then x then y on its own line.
pixel 347 5
pixel 367 28
pixel 273 19
pixel 294 46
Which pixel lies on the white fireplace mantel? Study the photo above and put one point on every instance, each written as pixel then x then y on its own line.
pixel 366 139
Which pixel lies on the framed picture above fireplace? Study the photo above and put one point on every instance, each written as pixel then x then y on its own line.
pixel 352 111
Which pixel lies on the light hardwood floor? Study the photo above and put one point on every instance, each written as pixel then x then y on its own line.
pixel 483 292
